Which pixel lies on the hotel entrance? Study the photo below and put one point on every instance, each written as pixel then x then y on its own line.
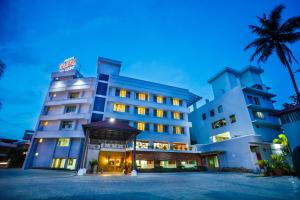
pixel 111 161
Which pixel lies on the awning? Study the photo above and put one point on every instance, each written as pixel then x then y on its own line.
pixel 110 130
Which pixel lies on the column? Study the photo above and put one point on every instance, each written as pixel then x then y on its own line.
pixel 133 172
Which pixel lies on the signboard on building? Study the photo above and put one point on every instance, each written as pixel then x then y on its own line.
pixel 68 64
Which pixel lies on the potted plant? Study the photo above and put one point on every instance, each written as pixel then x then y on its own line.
pixel 94 166
pixel 278 164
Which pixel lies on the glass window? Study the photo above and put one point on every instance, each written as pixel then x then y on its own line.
pixel 70 108
pixel 203 116
pixel 219 123
pixel 160 99
pixel 177 115
pixel 71 163
pixel 232 119
pixel 42 125
pixel 256 100
pixel 58 163
pixel 220 109
pixel 250 99
pixel 145 164
pixel 142 96
pixel 221 137
pixel 176 102
pixel 97 117
pixel 41 140
pixel 141 126
pixel 178 130
pixel 63 142
pixel 168 163
pixel 99 104
pixel 101 88
pixel 258 114
pixel 160 128
pixel 159 113
pixel 161 146
pixel 66 124
pixel 121 108
pixel 74 95
pixel 142 144
pixel 103 77
pixel 212 113
pixel 141 110
pixel 122 93
pixel 189 164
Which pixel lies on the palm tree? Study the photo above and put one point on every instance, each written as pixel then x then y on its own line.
pixel 274 36
pixel 2 67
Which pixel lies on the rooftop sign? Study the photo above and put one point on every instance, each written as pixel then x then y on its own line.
pixel 68 64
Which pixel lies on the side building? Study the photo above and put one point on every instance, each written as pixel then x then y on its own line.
pixel 237 125
pixel 159 111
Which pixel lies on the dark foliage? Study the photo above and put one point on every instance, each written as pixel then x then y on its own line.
pixel 296 160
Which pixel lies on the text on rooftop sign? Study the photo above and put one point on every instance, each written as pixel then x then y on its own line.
pixel 68 64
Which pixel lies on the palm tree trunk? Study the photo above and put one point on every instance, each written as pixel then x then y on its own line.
pixel 293 80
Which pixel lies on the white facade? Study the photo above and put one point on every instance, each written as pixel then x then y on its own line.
pixel 241 108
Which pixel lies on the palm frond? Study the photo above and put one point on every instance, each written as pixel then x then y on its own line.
pixel 257 42
pixel 281 55
pixel 289 53
pixel 290 25
pixel 290 37
pixel 275 16
pixel 266 53
pixel 259 30
pixel 2 68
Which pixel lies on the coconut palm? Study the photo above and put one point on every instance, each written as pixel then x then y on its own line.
pixel 274 36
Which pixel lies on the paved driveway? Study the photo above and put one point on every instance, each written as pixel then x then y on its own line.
pixel 45 184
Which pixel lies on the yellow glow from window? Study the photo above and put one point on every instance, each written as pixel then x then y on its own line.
pixel 63 142
pixel 58 163
pixel 45 123
pixel 221 137
pixel 178 130
pixel 119 107
pixel 40 140
pixel 141 126
pixel 160 128
pixel 159 113
pixel 176 102
pixel 142 96
pixel 141 110
pixel 159 99
pixel 176 115
pixel 71 163
pixel 123 93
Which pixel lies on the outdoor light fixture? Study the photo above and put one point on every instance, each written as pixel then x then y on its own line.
pixel 112 120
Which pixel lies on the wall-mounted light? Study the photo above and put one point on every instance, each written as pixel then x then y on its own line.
pixel 112 120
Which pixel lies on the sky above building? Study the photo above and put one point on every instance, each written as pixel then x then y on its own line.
pixel 179 43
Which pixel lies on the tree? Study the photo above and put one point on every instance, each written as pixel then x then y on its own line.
pixel 2 67
pixel 283 140
pixel 274 36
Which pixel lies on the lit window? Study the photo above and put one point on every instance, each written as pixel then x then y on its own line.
pixel 232 119
pixel 74 95
pixel 58 163
pixel 176 115
pixel 123 93
pixel 36 154
pixel 159 113
pixel 145 164
pixel 40 140
pixel 42 125
pixel 178 130
pixel 119 107
pixel 159 128
pixel 221 137
pixel 159 99
pixel 168 163
pixel 70 109
pixel 66 124
pixel 45 123
pixel 176 102
pixel 141 110
pixel 258 114
pixel 141 126
pixel 71 163
pixel 219 123
pixel 142 96
pixel 63 142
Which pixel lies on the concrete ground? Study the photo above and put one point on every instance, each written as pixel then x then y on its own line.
pixel 46 184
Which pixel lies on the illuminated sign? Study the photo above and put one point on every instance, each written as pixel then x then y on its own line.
pixel 68 64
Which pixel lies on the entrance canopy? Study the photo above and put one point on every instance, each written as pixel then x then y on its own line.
pixel 110 130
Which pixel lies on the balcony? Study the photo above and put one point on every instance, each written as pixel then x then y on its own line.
pixel 68 116
pixel 63 101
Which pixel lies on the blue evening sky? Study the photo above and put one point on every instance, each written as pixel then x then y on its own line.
pixel 180 43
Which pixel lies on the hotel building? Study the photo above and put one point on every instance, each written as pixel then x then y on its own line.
pixel 66 135
pixel 237 124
